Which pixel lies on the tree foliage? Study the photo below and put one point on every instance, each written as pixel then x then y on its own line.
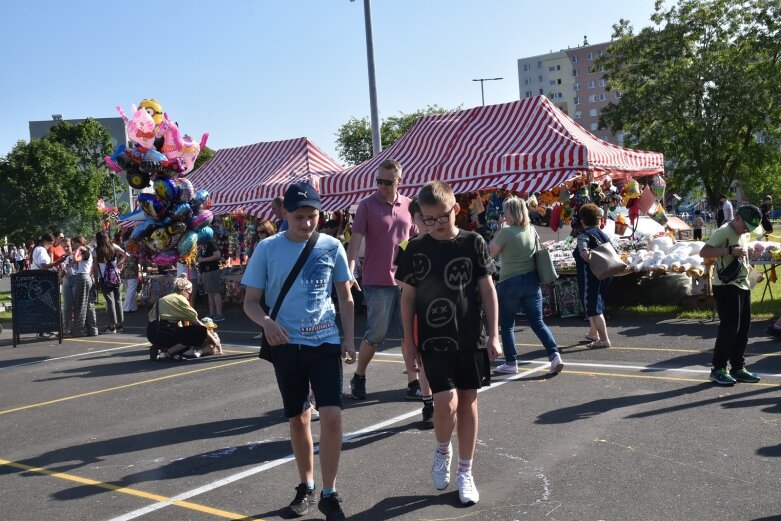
pixel 43 187
pixel 354 138
pixel 206 154
pixel 702 86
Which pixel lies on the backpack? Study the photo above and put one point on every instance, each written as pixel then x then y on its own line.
pixel 110 277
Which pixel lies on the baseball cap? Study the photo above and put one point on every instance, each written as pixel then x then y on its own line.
pixel 299 195
pixel 751 215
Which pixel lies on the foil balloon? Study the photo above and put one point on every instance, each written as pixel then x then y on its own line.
pixel 140 129
pixel 176 228
pixel 555 216
pixel 180 211
pixel 143 230
pixel 205 234
pixel 165 258
pixel 200 198
pixel 186 190
pixel 186 243
pixel 200 219
pixel 158 240
pixel 152 205
pixel 166 188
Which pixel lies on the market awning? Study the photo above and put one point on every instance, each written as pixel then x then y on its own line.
pixel 246 179
pixel 525 146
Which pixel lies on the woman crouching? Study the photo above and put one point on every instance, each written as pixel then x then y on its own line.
pixel 174 328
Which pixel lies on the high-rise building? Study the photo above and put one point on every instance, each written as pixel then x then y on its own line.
pixel 571 80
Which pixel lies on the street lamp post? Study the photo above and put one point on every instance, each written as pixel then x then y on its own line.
pixel 375 113
pixel 481 80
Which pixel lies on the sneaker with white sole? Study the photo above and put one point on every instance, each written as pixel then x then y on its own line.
pixel 467 491
pixel 556 365
pixel 507 368
pixel 440 470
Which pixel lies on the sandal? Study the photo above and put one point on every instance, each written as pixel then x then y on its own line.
pixel 598 344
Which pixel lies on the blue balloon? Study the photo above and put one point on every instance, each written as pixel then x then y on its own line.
pixel 205 234
pixel 188 240
pixel 200 198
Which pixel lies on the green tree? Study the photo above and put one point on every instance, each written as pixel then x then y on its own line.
pixel 43 187
pixel 701 86
pixel 354 138
pixel 206 154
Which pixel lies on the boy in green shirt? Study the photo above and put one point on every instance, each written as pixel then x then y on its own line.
pixel 731 289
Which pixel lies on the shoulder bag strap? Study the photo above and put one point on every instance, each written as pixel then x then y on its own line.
pixel 537 245
pixel 596 239
pixel 310 244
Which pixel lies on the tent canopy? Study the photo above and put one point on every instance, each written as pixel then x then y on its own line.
pixel 525 146
pixel 248 178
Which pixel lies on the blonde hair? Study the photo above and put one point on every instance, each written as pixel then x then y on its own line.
pixel 517 210
pixel 181 283
pixel 436 192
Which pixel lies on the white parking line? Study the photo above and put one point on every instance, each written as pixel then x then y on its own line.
pixel 281 461
pixel 72 356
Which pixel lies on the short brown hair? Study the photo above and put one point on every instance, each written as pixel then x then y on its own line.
pixel 393 165
pixel 414 208
pixel 589 214
pixel 436 192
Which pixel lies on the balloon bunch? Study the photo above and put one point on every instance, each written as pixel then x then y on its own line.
pixel 174 218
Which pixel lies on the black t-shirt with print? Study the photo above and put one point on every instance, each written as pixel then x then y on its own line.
pixel 207 250
pixel 445 275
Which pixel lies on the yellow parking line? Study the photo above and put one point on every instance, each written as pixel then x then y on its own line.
pixel 649 377
pixel 126 490
pixel 134 384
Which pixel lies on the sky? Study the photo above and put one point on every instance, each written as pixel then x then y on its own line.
pixel 247 71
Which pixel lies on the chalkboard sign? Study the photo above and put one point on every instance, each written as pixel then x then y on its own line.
pixel 35 297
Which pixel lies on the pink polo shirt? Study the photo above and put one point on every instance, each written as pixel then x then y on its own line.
pixel 384 226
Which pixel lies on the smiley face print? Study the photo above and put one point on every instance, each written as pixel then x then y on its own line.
pixel 458 273
pixel 440 312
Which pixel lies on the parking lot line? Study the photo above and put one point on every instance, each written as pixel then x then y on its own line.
pixel 125 490
pixel 125 386
pixel 272 464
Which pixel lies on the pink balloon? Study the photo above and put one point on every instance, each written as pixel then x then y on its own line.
pixel 166 258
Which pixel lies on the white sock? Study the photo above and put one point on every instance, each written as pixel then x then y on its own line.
pixel 464 465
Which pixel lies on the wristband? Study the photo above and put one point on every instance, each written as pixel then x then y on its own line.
pixel 729 250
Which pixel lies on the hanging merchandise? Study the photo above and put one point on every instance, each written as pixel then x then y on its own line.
pixel 646 200
pixel 659 186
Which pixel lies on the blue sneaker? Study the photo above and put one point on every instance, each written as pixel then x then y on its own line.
pixel 721 377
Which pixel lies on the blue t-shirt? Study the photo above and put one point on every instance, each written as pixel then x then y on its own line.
pixel 307 313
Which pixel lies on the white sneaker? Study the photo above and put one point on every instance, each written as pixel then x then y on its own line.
pixel 556 365
pixel 440 471
pixel 467 491
pixel 507 368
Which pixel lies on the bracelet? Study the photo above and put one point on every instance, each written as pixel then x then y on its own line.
pixel 729 250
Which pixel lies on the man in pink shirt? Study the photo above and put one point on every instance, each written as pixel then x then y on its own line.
pixel 384 220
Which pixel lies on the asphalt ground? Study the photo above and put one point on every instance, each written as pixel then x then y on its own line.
pixel 91 429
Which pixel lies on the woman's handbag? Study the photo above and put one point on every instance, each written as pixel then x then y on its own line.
pixel 265 347
pixel 604 261
pixel 546 272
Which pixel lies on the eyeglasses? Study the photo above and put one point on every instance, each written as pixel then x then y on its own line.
pixel 386 182
pixel 442 219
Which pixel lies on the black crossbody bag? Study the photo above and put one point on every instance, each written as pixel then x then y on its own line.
pixel 265 347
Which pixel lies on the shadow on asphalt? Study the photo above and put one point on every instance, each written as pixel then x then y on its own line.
pixel 137 366
pixel 22 361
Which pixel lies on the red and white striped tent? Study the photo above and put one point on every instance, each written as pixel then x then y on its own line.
pixel 525 146
pixel 248 178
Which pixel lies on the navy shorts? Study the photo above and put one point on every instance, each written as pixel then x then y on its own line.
pixel 463 369
pixel 594 294
pixel 298 366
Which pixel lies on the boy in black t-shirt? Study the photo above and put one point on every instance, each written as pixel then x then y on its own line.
pixel 446 281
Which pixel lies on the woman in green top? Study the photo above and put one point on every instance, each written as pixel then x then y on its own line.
pixel 518 286
pixel 173 324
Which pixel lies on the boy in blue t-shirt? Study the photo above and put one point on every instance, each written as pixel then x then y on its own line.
pixel 446 280
pixel 305 338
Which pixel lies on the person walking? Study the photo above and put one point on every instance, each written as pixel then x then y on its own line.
pixel 209 270
pixel 21 256
pixel 83 288
pixel 130 275
pixel 519 287
pixel 731 289
pixel 767 210
pixel 304 336
pixel 446 278
pixel 595 289
pixel 109 262
pixel 697 225
pixel 384 221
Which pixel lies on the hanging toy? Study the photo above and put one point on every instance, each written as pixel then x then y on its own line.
pixel 659 186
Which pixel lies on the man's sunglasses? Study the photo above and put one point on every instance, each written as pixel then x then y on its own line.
pixel 386 182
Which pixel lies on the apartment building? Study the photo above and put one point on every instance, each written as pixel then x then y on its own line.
pixel 570 79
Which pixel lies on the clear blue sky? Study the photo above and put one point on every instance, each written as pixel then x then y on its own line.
pixel 262 70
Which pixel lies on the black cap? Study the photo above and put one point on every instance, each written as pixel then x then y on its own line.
pixel 299 195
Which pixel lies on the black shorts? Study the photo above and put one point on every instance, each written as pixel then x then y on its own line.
pixel 168 335
pixel 297 366
pixel 457 369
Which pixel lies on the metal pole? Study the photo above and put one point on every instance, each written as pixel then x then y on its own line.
pixel 375 113
pixel 482 91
